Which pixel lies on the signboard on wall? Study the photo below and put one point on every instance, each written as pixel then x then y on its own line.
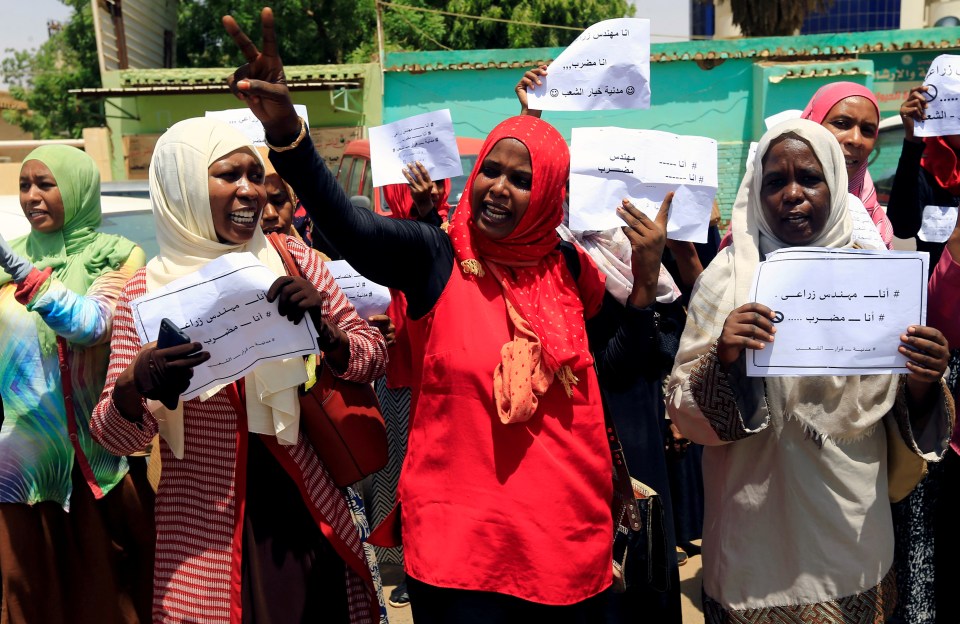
pixel 895 74
pixel 331 142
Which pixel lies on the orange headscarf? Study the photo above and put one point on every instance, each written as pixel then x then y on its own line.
pixel 545 305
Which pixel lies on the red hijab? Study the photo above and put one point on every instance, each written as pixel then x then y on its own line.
pixel 543 300
pixel 401 201
pixel 941 161
pixel 860 183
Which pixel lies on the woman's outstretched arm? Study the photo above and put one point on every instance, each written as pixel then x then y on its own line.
pixel 412 257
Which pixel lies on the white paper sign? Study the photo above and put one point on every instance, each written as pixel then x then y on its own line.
pixel 942 116
pixel 838 311
pixel 368 297
pixel 865 231
pixel 427 138
pixel 609 164
pixel 937 224
pixel 246 122
pixel 606 68
pixel 223 306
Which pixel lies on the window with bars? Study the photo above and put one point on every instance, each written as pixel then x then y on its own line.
pixel 854 16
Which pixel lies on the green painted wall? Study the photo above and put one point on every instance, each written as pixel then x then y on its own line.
pixel 754 79
pixel 153 114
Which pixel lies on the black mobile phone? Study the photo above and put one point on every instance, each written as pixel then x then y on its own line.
pixel 170 335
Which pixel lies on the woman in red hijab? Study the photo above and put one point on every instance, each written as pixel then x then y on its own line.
pixel 851 113
pixel 419 197
pixel 507 482
pixel 927 179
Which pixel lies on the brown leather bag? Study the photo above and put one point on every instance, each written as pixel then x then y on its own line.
pixel 340 418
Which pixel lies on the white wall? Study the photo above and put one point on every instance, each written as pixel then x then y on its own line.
pixel 937 10
pixel 669 19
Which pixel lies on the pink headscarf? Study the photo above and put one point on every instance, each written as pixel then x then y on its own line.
pixel 860 183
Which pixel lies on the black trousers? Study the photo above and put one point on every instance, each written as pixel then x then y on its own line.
pixel 439 605
pixel 947 541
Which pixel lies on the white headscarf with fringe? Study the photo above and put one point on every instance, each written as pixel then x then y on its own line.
pixel 840 408
pixel 188 240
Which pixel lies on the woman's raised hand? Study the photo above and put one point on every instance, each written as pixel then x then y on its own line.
pixel 927 355
pixel 912 110
pixel 261 82
pixel 748 327
pixel 647 238
pixel 296 297
pixel 530 80
pixel 421 186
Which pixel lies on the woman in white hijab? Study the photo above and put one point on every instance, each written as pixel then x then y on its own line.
pixel 798 525
pixel 246 511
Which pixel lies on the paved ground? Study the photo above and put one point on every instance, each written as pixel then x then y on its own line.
pixel 689 586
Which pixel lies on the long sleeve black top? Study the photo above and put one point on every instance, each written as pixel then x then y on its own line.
pixel 914 188
pixel 417 259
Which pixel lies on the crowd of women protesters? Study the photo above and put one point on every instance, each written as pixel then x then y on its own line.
pixel 509 337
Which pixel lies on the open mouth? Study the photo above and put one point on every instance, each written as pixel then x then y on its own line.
pixel 244 217
pixel 36 213
pixel 796 219
pixel 495 213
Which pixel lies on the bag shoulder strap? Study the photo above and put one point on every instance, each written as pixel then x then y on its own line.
pixel 572 257
pixel 623 486
pixel 279 242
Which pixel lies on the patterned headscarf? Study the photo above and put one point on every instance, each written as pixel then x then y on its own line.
pixel 543 301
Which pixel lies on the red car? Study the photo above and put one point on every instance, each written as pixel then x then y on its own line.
pixel 354 174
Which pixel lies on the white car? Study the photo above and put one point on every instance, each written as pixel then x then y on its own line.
pixel 126 211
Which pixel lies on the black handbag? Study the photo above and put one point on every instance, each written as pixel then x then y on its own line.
pixel 639 537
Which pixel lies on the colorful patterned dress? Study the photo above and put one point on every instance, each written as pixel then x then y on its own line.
pixel 37 452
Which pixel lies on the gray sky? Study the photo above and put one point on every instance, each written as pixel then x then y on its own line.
pixel 24 23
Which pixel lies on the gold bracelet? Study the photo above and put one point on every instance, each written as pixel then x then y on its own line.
pixel 296 141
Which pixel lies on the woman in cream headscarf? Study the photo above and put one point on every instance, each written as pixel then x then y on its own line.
pixel 798 522
pixel 224 490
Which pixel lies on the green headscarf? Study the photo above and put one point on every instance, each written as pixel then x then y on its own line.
pixel 77 253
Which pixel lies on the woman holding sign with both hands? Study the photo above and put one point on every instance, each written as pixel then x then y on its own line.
pixel 507 482
pixel 246 511
pixel 798 520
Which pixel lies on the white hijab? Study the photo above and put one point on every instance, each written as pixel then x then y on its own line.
pixel 188 240
pixel 611 251
pixel 841 408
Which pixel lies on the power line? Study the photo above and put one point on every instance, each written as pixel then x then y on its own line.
pixel 401 7
pixel 396 6
pixel 421 31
